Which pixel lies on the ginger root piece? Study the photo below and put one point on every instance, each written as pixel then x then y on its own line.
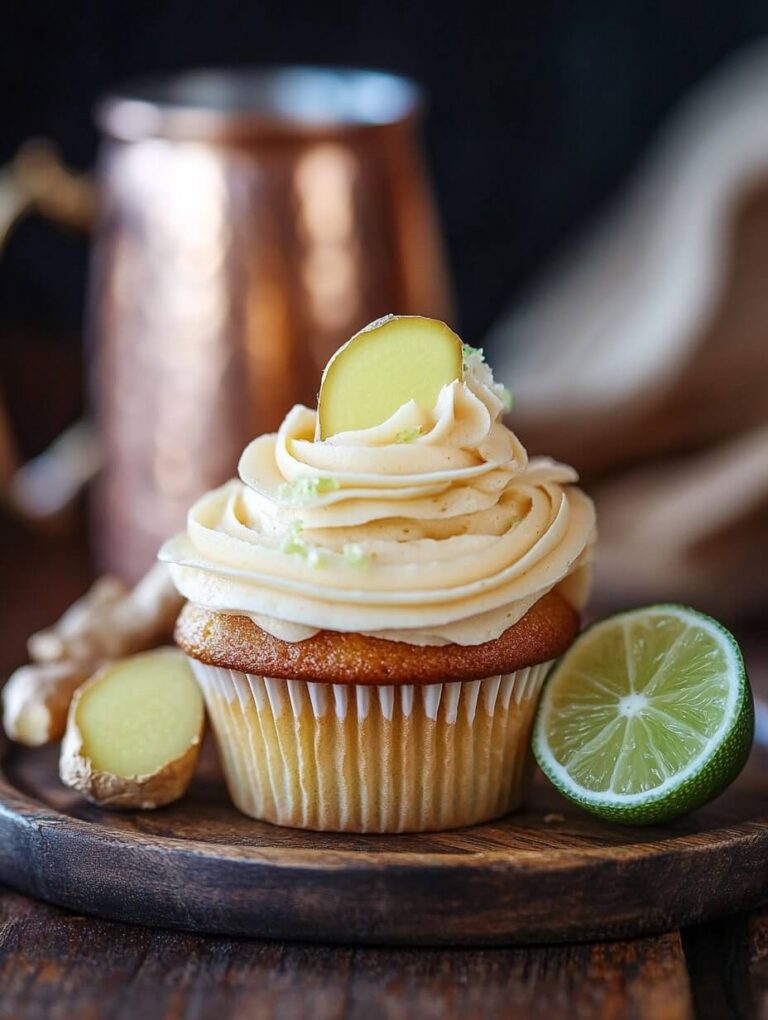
pixel 49 645
pixel 134 732
pixel 108 622
pixel 36 699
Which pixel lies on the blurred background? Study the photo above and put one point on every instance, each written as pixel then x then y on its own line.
pixel 581 188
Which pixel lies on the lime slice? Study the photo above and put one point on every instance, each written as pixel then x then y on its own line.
pixel 648 715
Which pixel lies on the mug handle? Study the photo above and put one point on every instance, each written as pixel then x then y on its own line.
pixel 37 181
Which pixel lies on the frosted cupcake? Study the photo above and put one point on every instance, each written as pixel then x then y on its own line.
pixel 374 604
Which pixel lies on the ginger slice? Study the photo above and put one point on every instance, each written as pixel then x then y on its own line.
pixel 134 732
pixel 388 363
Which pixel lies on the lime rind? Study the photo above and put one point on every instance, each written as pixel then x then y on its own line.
pixel 720 758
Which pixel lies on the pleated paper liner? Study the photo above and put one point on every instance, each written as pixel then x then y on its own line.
pixel 338 757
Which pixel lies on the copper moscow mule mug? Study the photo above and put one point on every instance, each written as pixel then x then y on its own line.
pixel 249 222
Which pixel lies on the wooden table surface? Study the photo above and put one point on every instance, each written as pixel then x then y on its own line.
pixel 55 964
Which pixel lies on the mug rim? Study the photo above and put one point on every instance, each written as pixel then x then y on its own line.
pixel 282 100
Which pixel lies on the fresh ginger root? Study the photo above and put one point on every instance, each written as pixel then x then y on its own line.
pixel 108 622
pixel 36 699
pixel 111 624
pixel 134 731
pixel 49 645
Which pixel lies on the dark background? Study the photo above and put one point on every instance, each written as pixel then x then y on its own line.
pixel 538 109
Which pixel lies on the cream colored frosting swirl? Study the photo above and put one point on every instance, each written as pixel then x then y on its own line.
pixel 432 527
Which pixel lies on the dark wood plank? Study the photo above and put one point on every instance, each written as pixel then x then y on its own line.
pixel 745 964
pixel 718 963
pixel 55 966
pixel 547 874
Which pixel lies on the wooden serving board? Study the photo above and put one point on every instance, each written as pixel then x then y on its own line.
pixel 547 874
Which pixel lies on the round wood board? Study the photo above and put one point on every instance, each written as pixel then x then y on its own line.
pixel 547 874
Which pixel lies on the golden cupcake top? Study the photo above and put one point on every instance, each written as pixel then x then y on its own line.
pixel 329 657
pixel 403 509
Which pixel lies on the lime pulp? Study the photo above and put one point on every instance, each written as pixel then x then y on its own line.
pixel 647 716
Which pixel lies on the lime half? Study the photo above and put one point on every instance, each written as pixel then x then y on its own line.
pixel 648 715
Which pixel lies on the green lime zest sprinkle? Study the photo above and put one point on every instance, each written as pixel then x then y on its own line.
pixel 514 520
pixel 315 556
pixel 506 398
pixel 408 435
pixel 306 490
pixel 468 351
pixel 355 556
pixel 294 545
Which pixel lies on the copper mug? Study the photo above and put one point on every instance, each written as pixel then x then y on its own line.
pixel 247 223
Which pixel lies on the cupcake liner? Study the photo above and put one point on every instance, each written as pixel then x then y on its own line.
pixel 340 757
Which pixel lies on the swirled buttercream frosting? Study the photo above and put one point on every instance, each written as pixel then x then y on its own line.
pixel 432 527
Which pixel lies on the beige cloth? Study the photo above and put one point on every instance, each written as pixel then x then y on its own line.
pixel 643 358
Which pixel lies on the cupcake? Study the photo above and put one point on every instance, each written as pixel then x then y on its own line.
pixel 374 604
